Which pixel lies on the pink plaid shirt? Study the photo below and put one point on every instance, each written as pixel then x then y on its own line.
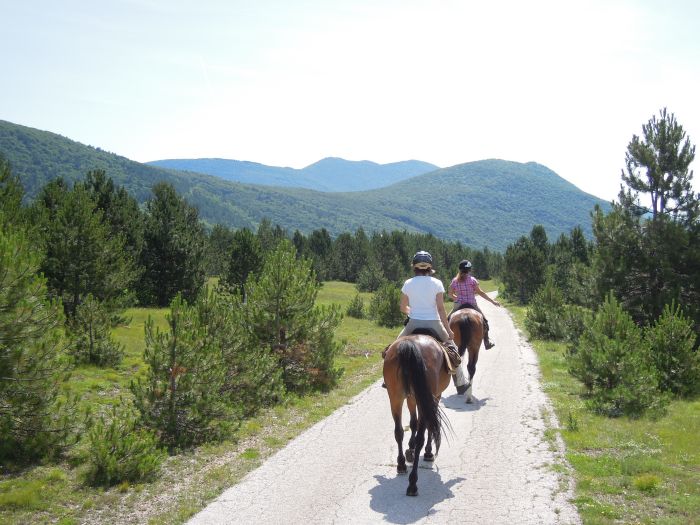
pixel 465 290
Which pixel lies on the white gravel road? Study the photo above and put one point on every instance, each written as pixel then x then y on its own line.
pixel 496 468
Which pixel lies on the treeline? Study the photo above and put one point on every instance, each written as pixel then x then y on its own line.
pixel 627 304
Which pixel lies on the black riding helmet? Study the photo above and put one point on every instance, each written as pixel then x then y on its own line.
pixel 465 266
pixel 422 260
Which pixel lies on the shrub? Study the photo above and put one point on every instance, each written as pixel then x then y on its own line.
pixel 118 451
pixel 93 342
pixel 385 306
pixel 253 378
pixel 545 315
pixel 356 308
pixel 183 395
pixel 672 343
pixel 613 362
pixel 284 320
pixel 575 319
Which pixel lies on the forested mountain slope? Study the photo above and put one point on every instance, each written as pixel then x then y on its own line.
pixel 485 203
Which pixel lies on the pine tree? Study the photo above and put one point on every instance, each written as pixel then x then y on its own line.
pixel 218 250
pixel 92 338
pixel 245 256
pixel 283 317
pixel 523 269
pixel 173 251
pixel 647 255
pixel 34 412
pixel 11 193
pixel 83 256
pixel 182 397
pixel 658 165
pixel 119 210
pixel 253 377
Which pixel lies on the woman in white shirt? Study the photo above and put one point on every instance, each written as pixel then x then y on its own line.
pixel 422 300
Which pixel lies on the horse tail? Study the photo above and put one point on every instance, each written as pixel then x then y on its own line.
pixel 415 381
pixel 465 333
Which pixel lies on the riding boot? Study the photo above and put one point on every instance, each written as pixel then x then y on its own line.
pixel 487 343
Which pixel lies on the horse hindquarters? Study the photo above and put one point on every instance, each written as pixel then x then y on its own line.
pixel 415 375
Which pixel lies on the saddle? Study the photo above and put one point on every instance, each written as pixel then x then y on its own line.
pixel 450 351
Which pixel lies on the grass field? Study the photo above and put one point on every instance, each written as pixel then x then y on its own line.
pixel 627 470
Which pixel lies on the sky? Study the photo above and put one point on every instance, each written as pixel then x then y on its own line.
pixel 287 83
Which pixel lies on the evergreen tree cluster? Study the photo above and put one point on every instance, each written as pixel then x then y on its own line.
pixel 369 261
pixel 73 259
pixel 628 303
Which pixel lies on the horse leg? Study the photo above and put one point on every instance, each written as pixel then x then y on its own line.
pixel 460 381
pixel 396 409
pixel 471 368
pixel 412 489
pixel 411 403
pixel 428 455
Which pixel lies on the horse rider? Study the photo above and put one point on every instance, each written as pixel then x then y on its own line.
pixel 422 300
pixel 463 289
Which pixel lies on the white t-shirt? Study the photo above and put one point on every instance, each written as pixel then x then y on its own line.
pixel 421 291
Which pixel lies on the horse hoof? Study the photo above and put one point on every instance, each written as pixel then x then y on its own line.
pixel 429 457
pixel 412 491
pixel 462 389
pixel 469 400
pixel 409 456
pixel 401 469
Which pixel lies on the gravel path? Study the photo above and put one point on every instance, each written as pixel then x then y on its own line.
pixel 494 469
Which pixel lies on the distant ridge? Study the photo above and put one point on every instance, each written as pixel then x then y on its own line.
pixel 329 174
pixel 484 203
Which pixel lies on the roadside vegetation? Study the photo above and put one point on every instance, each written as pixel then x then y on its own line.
pixel 615 323
pixel 627 469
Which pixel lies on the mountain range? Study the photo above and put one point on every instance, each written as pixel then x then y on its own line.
pixel 483 203
pixel 329 174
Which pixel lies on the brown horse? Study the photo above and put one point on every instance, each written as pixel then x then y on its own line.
pixel 415 371
pixel 468 328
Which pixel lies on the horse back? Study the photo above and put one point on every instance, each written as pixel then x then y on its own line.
pixel 468 326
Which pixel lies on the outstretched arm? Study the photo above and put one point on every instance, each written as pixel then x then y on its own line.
pixel 483 294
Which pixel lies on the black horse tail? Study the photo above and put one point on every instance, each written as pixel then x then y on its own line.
pixel 465 331
pixel 415 381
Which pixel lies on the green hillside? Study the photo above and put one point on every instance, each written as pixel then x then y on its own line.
pixel 486 203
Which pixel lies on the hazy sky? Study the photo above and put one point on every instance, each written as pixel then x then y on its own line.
pixel 286 83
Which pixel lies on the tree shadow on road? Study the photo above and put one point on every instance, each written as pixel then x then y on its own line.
pixel 456 402
pixel 389 496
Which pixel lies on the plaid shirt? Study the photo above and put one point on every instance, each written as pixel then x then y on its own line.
pixel 465 290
